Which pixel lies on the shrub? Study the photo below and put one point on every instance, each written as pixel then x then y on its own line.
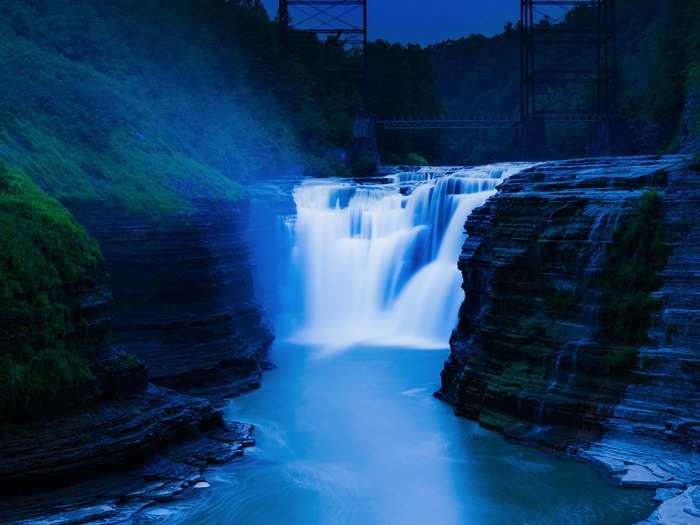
pixel 636 257
pixel 621 359
pixel 364 167
pixel 45 259
pixel 413 159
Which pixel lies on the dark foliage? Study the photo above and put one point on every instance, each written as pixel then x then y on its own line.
pixel 636 257
pixel 45 259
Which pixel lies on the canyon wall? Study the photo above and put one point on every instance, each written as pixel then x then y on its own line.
pixel 183 321
pixel 527 357
pixel 183 294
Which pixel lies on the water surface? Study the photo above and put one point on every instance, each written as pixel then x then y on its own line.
pixel 348 432
pixel 355 437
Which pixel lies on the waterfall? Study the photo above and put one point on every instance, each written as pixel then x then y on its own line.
pixel 377 263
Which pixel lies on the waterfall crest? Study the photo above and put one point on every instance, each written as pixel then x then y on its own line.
pixel 377 263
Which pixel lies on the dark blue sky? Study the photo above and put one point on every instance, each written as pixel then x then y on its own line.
pixel 428 21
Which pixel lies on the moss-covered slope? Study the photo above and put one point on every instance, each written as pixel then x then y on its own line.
pixel 140 105
pixel 47 263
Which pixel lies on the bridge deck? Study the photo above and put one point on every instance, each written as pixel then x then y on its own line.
pixel 483 121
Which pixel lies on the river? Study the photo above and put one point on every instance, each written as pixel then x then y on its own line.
pixel 361 283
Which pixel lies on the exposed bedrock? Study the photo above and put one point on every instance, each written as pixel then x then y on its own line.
pixel 183 305
pixel 114 460
pixel 183 296
pixel 527 357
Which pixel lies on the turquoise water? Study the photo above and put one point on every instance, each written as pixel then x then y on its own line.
pixel 355 437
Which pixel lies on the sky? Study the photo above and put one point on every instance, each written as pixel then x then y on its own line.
pixel 430 21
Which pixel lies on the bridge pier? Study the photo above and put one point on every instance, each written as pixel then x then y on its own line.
pixel 364 152
pixel 532 139
pixel 608 137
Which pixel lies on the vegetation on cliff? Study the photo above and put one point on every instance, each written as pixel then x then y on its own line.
pixel 636 257
pixel 45 260
pixel 152 105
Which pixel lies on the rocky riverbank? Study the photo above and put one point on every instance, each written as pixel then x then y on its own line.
pixel 186 334
pixel 183 296
pixel 527 356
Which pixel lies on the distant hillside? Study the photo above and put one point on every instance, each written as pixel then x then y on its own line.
pixel 659 60
pixel 148 104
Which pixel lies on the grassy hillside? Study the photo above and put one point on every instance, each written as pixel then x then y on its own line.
pixel 46 258
pixel 143 107
pixel 148 105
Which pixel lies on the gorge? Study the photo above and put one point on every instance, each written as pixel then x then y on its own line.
pixel 346 427
pixel 218 306
pixel 360 432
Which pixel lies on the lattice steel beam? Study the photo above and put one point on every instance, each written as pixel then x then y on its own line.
pixel 597 73
pixel 345 20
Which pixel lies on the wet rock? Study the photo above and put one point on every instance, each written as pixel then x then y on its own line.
pixel 526 358
pixel 662 495
pixel 98 438
pixel 683 509
pixel 183 296
pixel 202 452
pixel 184 318
pixel 76 517
pixel 526 347
pixel 172 473
pixel 233 432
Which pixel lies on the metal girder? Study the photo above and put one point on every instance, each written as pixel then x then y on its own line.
pixel 324 17
pixel 487 121
pixel 345 20
pixel 449 123
pixel 597 45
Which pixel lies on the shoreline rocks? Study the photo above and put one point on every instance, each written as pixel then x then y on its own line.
pixel 173 472
pixel 189 336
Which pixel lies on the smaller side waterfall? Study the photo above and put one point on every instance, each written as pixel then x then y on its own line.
pixel 377 263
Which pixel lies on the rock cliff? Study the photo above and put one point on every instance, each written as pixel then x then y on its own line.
pixel 528 358
pixel 183 304
pixel 183 296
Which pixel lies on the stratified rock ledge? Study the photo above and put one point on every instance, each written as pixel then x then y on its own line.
pixel 132 439
pixel 526 359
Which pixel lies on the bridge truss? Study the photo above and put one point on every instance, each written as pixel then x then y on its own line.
pixel 547 91
pixel 343 20
pixel 570 88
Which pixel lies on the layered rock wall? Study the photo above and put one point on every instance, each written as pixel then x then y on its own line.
pixel 183 295
pixel 527 355
pixel 528 358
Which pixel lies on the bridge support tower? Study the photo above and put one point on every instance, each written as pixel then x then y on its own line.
pixel 345 21
pixel 587 91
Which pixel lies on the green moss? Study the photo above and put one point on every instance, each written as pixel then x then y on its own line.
pixel 138 106
pixel 562 302
pixel 496 420
pixel 45 257
pixel 637 255
pixel 621 359
pixel 414 159
pixel 645 361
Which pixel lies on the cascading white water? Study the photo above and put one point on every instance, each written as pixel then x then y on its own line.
pixel 378 263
